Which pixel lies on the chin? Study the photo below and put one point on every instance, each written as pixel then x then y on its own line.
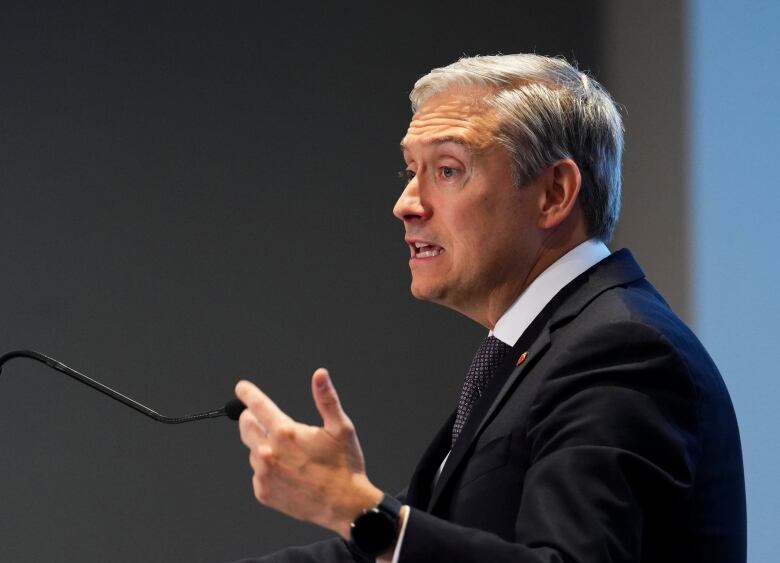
pixel 417 293
pixel 428 292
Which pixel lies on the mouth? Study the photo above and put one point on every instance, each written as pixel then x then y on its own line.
pixel 422 249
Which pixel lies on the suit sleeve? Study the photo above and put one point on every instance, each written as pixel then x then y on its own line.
pixel 613 443
pixel 327 551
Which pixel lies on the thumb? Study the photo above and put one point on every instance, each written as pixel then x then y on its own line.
pixel 327 401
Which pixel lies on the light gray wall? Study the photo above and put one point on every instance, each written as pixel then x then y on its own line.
pixel 735 126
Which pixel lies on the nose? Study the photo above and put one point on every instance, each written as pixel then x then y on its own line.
pixel 410 203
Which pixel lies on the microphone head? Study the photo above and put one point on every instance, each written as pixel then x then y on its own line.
pixel 234 408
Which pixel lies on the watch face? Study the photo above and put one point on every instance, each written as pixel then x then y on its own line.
pixel 373 532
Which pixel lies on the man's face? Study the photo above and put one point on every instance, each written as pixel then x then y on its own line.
pixel 471 233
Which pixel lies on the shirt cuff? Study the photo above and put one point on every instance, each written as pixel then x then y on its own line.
pixel 397 551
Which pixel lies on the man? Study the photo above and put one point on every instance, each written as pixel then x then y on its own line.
pixel 592 425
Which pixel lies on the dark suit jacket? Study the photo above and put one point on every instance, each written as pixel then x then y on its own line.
pixel 613 440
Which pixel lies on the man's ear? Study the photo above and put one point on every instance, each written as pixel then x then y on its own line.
pixel 561 185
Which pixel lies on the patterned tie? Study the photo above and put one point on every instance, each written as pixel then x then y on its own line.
pixel 481 371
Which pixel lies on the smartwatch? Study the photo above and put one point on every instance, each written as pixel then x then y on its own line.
pixel 375 529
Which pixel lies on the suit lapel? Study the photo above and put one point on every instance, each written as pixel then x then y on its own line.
pixel 419 492
pixel 485 409
pixel 617 269
pixel 515 377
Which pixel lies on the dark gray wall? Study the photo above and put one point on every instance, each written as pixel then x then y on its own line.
pixel 191 193
pixel 644 58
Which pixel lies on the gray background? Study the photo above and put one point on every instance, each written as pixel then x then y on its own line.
pixel 196 192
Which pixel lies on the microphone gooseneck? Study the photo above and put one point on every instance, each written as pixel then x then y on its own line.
pixel 232 409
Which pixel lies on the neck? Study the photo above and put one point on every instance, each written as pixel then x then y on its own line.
pixel 554 246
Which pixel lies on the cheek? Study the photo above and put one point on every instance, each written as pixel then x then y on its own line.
pixel 474 229
pixel 496 239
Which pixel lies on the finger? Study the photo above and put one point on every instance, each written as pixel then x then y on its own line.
pixel 258 458
pixel 251 432
pixel 327 401
pixel 259 404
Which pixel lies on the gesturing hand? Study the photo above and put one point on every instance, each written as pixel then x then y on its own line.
pixel 311 473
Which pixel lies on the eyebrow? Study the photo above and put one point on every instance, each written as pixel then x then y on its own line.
pixel 442 140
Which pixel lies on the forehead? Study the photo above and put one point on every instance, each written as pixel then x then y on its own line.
pixel 459 117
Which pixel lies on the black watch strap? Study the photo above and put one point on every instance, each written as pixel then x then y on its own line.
pixel 375 530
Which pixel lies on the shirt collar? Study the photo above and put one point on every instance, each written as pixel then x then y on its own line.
pixel 530 303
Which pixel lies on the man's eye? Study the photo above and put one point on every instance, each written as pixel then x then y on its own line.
pixel 405 176
pixel 447 172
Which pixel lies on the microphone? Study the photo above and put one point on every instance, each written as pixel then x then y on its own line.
pixel 232 408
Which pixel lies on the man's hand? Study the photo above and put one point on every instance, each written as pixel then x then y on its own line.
pixel 311 473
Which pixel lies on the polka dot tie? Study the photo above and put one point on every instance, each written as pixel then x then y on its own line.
pixel 481 371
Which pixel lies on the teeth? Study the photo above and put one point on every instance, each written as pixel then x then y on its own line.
pixel 429 253
pixel 426 250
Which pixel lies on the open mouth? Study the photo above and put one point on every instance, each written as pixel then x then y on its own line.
pixel 425 249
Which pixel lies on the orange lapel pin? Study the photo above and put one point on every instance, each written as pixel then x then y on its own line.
pixel 522 358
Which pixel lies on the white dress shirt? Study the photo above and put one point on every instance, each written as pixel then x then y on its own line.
pixel 536 296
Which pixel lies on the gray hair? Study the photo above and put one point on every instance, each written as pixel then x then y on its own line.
pixel 547 110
